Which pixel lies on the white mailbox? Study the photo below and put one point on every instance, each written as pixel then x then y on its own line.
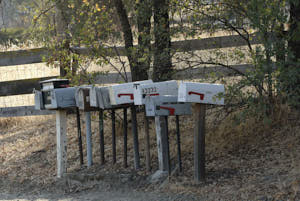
pixel 154 89
pixel 166 106
pixel 55 94
pixel 123 93
pixel 201 93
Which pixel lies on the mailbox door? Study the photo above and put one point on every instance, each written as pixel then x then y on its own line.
pixel 166 106
pixel 200 93
pixel 64 97
pixel 94 96
pixel 38 100
pixel 104 98
pixel 123 93
pixel 154 89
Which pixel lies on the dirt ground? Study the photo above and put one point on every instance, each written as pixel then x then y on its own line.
pixel 250 161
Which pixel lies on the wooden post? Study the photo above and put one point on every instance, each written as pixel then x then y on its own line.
pixel 135 138
pixel 113 129
pixel 168 145
pixel 89 151
pixel 79 135
pixel 125 136
pixel 101 133
pixel 199 142
pixel 178 144
pixel 147 142
pixel 61 142
pixel 162 143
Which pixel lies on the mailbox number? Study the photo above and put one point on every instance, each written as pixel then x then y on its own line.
pixel 149 90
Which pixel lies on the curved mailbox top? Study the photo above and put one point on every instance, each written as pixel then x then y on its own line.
pixel 154 89
pixel 201 93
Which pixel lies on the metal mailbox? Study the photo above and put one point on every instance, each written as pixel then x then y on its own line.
pixel 154 89
pixel 201 93
pixel 99 97
pixel 123 93
pixel 82 97
pixel 55 94
pixel 166 106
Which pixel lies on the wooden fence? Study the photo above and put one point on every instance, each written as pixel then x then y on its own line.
pixel 26 86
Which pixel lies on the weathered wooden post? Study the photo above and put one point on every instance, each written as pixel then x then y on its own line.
pixel 56 95
pixel 82 97
pixel 161 107
pixel 178 144
pixel 141 91
pixel 201 94
pixel 125 136
pixel 61 142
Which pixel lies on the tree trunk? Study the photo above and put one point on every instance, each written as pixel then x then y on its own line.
pixel 162 65
pixel 144 13
pixel 127 34
pixel 294 45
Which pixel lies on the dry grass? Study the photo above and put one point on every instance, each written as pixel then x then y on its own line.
pixel 250 159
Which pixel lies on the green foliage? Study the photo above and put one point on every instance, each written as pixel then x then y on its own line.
pixel 274 70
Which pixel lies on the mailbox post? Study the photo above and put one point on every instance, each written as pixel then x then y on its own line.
pixel 56 95
pixel 122 95
pixel 201 94
pixel 141 91
pixel 161 107
pixel 82 98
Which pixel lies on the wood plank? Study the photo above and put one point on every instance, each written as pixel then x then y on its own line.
pixel 19 87
pixel 11 58
pixel 23 111
pixel 36 55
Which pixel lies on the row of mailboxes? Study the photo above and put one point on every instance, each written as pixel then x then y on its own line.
pixel 55 94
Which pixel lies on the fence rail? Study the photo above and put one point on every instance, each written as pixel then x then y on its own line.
pixel 26 86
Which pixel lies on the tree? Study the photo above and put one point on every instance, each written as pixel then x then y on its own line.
pixel 162 64
pixel 260 88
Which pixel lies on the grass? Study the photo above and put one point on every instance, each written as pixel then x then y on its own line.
pixel 264 159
